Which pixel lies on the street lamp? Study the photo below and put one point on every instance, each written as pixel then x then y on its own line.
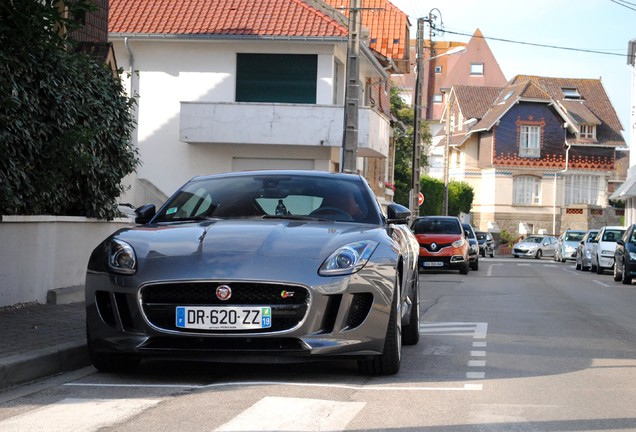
pixel 417 122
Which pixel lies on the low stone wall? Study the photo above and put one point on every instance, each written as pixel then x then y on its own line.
pixel 41 253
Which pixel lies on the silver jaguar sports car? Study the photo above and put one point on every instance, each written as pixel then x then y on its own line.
pixel 261 266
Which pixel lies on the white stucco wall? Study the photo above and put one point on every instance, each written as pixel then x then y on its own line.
pixel 169 72
pixel 53 253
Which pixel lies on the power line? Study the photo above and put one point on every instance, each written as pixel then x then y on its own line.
pixel 625 4
pixel 537 44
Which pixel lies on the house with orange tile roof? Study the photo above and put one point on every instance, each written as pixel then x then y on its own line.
pixel 230 85
pixel 540 153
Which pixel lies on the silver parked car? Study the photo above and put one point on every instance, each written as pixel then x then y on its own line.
pixel 567 244
pixel 257 267
pixel 584 251
pixel 535 246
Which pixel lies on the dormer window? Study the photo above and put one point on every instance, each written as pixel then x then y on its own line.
pixel 588 131
pixel 476 68
pixel 571 93
pixel 506 97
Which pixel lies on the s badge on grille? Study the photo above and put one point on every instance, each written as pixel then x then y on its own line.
pixel 223 292
pixel 434 246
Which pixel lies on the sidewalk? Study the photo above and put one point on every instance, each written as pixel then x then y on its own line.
pixel 39 340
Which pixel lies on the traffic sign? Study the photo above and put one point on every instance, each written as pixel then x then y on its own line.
pixel 420 199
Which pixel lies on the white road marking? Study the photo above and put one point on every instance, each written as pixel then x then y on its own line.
pixel 601 283
pixel 476 363
pixel 294 414
pixel 281 383
pixel 84 415
pixel 478 353
pixel 480 344
pixel 475 375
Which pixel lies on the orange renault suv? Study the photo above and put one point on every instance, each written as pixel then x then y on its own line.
pixel 443 243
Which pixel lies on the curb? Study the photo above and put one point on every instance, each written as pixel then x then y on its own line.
pixel 23 368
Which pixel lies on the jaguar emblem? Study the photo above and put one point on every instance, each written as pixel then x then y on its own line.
pixel 223 292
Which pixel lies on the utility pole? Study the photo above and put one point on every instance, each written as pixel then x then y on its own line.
pixel 352 92
pixel 417 123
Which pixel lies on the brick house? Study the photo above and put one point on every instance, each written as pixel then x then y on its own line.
pixel 541 153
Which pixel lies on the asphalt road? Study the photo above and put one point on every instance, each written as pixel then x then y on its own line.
pixel 520 345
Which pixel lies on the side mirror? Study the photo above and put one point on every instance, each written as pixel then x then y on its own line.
pixel 620 242
pixel 398 214
pixel 145 213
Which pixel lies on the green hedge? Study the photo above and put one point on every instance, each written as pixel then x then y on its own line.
pixel 65 124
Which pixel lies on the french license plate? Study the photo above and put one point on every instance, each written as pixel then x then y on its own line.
pixel 224 317
pixel 433 264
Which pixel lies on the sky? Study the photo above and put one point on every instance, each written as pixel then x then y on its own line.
pixel 593 25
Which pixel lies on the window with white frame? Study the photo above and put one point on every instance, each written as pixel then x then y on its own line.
pixel 438 98
pixel 529 141
pixel 581 189
pixel 438 69
pixel 526 190
pixel 476 68
pixel 588 131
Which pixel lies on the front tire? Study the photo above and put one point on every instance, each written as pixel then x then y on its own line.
pixel 387 363
pixel 411 332
pixel 539 254
pixel 625 278
pixel 617 276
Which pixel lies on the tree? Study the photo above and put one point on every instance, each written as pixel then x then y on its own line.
pixel 404 147
pixel 65 123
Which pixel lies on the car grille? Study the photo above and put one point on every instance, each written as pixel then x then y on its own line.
pixel 438 246
pixel 159 302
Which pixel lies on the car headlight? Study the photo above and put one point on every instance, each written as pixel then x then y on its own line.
pixel 348 259
pixel 121 257
pixel 632 256
pixel 458 243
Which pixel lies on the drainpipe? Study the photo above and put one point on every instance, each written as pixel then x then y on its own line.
pixel 567 157
pixel 133 90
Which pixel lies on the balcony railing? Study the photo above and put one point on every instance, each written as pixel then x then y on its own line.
pixel 280 124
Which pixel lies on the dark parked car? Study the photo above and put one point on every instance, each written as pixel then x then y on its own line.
pixel 443 243
pixel 473 246
pixel 625 257
pixel 263 266
pixel 486 243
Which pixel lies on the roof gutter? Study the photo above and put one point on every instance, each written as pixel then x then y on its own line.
pixel 220 37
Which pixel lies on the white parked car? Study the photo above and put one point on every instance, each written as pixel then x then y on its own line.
pixel 603 247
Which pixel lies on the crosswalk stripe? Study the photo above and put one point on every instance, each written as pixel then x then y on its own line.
pixel 294 414
pixel 84 415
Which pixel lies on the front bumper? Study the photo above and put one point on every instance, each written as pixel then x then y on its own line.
pixel 347 317
pixel 606 262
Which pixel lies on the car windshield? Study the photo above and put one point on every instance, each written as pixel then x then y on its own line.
pixel 469 231
pixel 612 235
pixel 272 196
pixel 481 236
pixel 573 236
pixel 533 240
pixel 436 226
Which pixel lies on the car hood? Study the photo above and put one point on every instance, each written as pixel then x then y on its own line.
pixel 528 244
pixel 282 238
pixel 247 248
pixel 437 238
